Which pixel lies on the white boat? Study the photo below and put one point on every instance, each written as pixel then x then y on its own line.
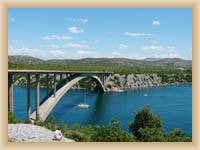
pixel 84 105
pixel 145 94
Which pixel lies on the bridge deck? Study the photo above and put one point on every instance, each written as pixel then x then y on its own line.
pixel 56 71
pixel 49 104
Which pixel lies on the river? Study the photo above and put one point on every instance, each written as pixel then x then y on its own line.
pixel 172 103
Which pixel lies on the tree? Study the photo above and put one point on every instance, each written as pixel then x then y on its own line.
pixel 151 134
pixel 145 119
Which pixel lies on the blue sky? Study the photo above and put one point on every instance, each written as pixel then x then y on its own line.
pixel 71 33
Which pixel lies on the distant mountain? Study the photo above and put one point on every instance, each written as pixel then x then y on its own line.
pixel 152 63
pixel 173 62
pixel 22 59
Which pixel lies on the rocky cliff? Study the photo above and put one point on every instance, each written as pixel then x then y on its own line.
pixel 119 82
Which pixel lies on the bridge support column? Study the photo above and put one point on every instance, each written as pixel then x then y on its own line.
pixel 60 77
pixel 47 84
pixel 10 94
pixel 104 80
pixel 54 85
pixel 28 97
pixel 37 95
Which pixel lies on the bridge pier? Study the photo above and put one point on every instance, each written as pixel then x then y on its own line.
pixel 47 83
pixel 60 77
pixel 54 85
pixel 37 95
pixel 10 93
pixel 28 97
pixel 104 80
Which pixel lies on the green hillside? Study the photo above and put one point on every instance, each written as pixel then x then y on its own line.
pixel 116 65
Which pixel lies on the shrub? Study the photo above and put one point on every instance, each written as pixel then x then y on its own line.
pixel 50 123
pixel 75 135
pixel 27 121
pixel 177 135
pixel 145 118
pixel 11 118
pixel 111 133
pixel 39 121
pixel 62 126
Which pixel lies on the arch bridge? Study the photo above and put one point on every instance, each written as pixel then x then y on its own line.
pixel 62 82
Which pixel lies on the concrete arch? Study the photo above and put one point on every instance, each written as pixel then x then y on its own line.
pixel 46 107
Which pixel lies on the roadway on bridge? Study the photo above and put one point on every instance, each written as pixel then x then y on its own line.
pixel 50 103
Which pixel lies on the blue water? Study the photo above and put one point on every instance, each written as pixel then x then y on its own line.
pixel 172 103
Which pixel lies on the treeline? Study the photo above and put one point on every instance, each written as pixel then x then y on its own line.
pixel 109 68
pixel 145 127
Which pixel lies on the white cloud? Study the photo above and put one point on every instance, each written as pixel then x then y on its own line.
pixel 174 55
pixel 135 34
pixel 155 42
pixel 123 46
pixel 115 53
pixel 55 46
pixel 153 48
pixel 169 55
pixel 162 51
pixel 171 49
pixel 82 20
pixel 51 53
pixel 43 54
pixel 156 47
pixel 156 22
pixel 75 45
pixel 57 37
pixel 75 30
pixel 83 52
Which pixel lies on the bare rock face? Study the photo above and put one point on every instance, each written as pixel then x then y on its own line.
pixel 32 133
pixel 119 82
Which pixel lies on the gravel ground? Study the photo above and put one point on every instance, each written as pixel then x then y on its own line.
pixel 31 133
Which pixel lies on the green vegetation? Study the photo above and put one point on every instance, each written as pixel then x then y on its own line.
pixel 146 127
pixel 143 121
pixel 111 133
pixel 176 135
pixel 116 65
pixel 171 70
pixel 13 120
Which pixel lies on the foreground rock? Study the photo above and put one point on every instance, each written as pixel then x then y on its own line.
pixel 31 133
